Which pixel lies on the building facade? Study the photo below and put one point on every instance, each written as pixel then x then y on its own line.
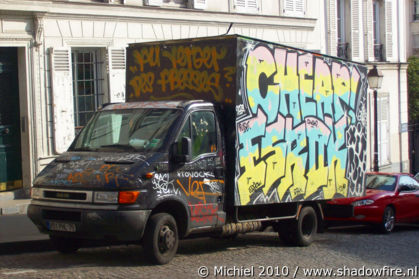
pixel 68 58
pixel 374 32
pixel 61 60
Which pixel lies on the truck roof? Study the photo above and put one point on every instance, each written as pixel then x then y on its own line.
pixel 152 104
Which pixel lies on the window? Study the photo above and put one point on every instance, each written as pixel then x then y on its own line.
pixel 383 129
pixel 408 181
pixel 378 46
pixel 201 129
pixel 87 84
pixel 416 10
pixel 342 17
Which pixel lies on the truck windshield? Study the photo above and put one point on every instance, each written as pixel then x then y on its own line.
pixel 144 129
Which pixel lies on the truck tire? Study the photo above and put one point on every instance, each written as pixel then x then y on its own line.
pixel 300 232
pixel 161 238
pixel 65 245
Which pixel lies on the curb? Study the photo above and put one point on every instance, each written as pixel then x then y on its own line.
pixel 13 207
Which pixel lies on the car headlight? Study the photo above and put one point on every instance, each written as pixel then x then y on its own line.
pixel 36 193
pixel 106 197
pixel 362 202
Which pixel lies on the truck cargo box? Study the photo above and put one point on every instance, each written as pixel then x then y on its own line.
pixel 294 121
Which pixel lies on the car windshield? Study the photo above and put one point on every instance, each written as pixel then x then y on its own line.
pixel 143 129
pixel 381 182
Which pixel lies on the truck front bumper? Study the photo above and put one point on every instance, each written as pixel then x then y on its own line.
pixel 88 223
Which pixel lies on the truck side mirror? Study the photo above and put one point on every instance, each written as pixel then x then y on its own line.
pixel 182 150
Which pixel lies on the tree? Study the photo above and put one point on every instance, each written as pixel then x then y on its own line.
pixel 413 83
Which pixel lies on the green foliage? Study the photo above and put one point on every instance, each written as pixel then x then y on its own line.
pixel 413 83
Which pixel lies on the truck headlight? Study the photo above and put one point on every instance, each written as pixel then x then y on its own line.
pixel 362 202
pixel 36 193
pixel 106 197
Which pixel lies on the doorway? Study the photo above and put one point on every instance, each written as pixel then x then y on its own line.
pixel 10 141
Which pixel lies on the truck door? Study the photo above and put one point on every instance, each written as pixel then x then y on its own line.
pixel 200 179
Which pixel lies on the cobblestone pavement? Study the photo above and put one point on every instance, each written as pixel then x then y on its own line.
pixel 350 248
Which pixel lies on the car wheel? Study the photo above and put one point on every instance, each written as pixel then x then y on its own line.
pixel 65 245
pixel 161 238
pixel 389 220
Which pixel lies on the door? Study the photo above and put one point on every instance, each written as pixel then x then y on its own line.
pixel 10 154
pixel 407 204
pixel 200 179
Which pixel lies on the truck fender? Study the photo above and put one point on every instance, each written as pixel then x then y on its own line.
pixel 176 207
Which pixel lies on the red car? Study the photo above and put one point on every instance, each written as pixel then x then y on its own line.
pixel 389 199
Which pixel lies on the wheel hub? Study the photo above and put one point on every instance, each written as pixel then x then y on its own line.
pixel 167 238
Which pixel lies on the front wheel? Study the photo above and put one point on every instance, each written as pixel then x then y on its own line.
pixel 161 238
pixel 389 220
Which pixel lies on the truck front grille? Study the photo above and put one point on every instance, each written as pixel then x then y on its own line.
pixel 61 215
pixel 65 195
pixel 61 195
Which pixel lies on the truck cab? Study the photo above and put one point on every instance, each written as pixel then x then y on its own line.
pixel 136 164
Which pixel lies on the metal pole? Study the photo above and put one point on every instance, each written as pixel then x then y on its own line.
pixel 375 132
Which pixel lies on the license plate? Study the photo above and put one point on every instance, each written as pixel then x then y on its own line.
pixel 62 227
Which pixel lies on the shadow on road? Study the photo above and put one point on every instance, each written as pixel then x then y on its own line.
pixel 365 229
pixel 122 255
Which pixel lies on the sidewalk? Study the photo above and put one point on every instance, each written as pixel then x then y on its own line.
pixel 14 202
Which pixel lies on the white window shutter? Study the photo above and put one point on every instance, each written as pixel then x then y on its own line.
pixel 293 7
pixel 62 98
pixel 116 66
pixel 355 34
pixel 153 2
pixel 389 30
pixel 383 128
pixel 299 7
pixel 199 4
pixel 369 32
pixel 246 6
pixel 252 5
pixel 333 31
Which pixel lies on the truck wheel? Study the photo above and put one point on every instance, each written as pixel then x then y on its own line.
pixel 161 238
pixel 388 222
pixel 300 232
pixel 65 245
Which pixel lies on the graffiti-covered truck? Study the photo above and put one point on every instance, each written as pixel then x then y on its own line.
pixel 218 135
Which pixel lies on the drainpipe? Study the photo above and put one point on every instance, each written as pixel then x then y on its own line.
pixel 399 88
pixel 326 29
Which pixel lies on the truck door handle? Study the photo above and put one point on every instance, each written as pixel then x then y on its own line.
pixel 219 172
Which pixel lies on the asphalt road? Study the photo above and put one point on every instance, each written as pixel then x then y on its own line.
pixel 340 250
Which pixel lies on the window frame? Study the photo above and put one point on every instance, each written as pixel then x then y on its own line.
pixel 188 119
pixel 96 80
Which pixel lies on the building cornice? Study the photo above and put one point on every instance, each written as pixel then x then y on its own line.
pixel 130 13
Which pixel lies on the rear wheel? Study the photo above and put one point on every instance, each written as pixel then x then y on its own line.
pixel 161 238
pixel 299 232
pixel 389 220
pixel 65 245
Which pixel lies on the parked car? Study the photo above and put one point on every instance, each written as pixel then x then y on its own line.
pixel 390 198
pixel 417 176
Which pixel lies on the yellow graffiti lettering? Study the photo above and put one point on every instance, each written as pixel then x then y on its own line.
pixel 142 83
pixel 147 55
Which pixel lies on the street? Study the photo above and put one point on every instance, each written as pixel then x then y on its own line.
pixel 345 251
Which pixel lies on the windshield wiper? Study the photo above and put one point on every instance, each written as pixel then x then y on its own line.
pixel 84 148
pixel 119 146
